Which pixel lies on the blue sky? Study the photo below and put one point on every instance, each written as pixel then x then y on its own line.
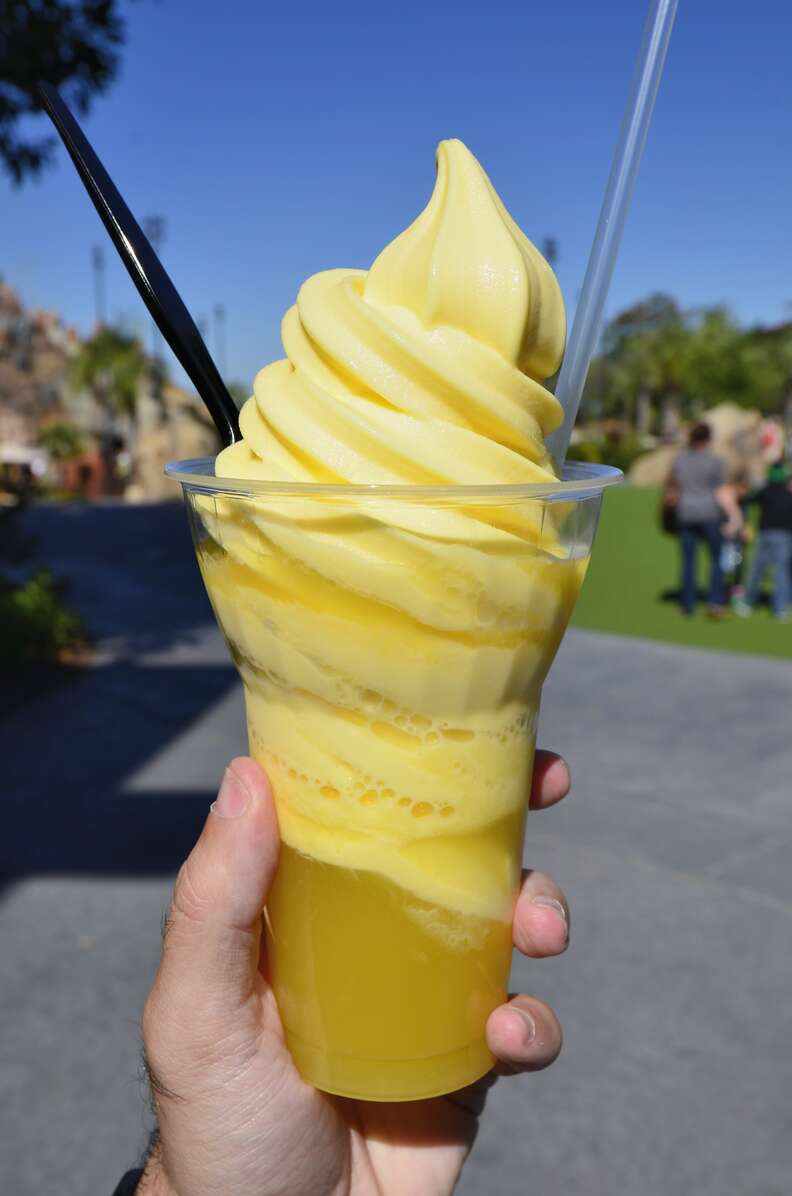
pixel 278 140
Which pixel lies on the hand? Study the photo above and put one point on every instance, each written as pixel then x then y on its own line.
pixel 235 1117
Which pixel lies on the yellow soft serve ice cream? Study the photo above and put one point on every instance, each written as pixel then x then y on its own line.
pixel 393 646
pixel 427 368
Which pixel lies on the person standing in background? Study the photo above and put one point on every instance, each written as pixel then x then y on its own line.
pixel 774 545
pixel 706 510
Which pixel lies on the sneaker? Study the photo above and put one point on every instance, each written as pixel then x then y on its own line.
pixel 717 612
pixel 742 608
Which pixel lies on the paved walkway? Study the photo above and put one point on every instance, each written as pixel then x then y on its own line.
pixel 674 849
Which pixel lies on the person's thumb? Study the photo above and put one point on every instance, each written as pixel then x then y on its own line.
pixel 212 938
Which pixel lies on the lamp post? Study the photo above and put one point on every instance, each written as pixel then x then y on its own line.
pixel 100 294
pixel 220 337
pixel 550 251
pixel 154 227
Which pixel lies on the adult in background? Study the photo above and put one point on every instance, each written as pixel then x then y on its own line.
pixel 706 511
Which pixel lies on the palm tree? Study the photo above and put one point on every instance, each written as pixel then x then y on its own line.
pixel 111 366
pixel 61 439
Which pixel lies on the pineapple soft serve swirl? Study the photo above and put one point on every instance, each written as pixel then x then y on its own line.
pixel 392 652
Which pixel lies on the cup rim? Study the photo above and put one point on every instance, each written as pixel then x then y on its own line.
pixel 580 479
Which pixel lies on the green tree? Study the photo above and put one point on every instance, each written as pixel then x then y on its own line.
pixel 62 440
pixel 657 312
pixel 692 359
pixel 73 45
pixel 714 368
pixel 111 365
pixel 641 350
pixel 767 362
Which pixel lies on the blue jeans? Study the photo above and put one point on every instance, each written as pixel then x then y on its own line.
pixel 689 535
pixel 773 548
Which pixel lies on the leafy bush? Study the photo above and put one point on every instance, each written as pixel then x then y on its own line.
pixel 622 453
pixel 586 450
pixel 619 453
pixel 35 625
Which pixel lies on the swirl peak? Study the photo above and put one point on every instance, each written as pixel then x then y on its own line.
pixel 465 264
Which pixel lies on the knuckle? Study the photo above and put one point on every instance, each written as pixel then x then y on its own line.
pixel 189 902
pixel 160 1092
pixel 170 1021
pixel 148 1021
pixel 154 1026
pixel 184 1035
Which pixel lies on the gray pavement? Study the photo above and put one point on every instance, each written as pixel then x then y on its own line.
pixel 677 1071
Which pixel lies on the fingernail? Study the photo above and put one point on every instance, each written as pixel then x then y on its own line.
pixel 551 903
pixel 527 1025
pixel 233 798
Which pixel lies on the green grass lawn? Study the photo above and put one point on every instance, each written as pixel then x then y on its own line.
pixel 634 563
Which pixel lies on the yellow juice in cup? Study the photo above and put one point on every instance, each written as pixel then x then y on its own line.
pixel 383 995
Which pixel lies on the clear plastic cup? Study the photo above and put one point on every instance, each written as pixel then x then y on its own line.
pixel 392 642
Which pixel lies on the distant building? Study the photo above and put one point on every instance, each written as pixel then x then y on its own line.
pixel 121 455
pixel 35 350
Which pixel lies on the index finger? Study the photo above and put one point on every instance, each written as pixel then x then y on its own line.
pixel 551 780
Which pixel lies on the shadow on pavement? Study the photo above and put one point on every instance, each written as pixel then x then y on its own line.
pixel 131 570
pixel 65 809
pixel 69 753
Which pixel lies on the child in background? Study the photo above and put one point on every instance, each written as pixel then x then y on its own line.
pixel 735 546
pixel 774 544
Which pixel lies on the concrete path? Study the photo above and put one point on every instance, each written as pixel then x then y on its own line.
pixel 675 996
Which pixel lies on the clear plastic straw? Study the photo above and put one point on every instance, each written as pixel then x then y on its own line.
pixel 627 158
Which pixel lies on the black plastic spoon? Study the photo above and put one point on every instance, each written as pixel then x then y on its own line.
pixel 145 269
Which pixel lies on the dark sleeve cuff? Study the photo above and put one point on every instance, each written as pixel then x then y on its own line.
pixel 129 1183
